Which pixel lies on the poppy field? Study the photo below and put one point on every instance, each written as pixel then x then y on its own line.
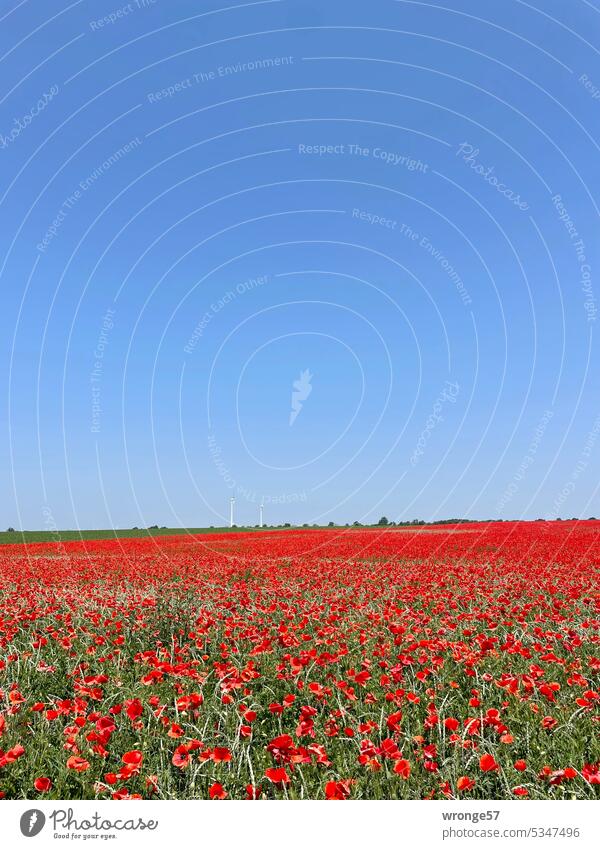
pixel 448 662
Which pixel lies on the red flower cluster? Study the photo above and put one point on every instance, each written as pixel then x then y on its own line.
pixel 429 663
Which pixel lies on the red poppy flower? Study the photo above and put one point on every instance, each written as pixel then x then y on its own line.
pixel 393 721
pixel 133 758
pixel 337 790
pixel 181 757
pixel 520 791
pixel 42 784
pixel 487 763
pixel 277 775
pixel 389 749
pixel 464 783
pixel 217 791
pixel 591 773
pixel 15 697
pixel 253 792
pixel 14 754
pixel 402 768
pixel 133 708
pixel 570 772
pixel 78 764
pixel 281 745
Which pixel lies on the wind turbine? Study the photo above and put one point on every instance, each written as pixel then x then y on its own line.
pixel 262 506
pixel 231 506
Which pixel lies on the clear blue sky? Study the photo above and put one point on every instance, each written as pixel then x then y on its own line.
pixel 341 257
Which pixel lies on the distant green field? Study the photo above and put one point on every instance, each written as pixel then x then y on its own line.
pixel 12 537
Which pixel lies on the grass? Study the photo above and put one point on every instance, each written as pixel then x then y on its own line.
pixel 15 537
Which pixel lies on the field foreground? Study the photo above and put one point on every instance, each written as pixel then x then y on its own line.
pixel 449 662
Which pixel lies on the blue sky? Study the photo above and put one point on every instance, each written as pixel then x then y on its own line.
pixel 379 217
